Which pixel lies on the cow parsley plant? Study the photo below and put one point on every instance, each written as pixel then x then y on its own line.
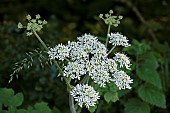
pixel 87 61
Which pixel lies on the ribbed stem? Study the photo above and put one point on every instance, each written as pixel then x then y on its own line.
pixel 71 104
pixel 38 37
pixel 107 38
pixel 111 50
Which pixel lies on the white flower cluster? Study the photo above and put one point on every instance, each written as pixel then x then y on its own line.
pixel 75 70
pixel 122 80
pixel 99 71
pixel 59 52
pixel 88 57
pixel 123 60
pixel 117 39
pixel 85 95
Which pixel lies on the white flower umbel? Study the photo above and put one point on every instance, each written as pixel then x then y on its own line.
pixel 85 95
pixel 59 52
pixel 112 65
pixel 98 71
pixel 122 80
pixel 123 60
pixel 117 39
pixel 77 51
pixel 99 50
pixel 75 69
pixel 88 41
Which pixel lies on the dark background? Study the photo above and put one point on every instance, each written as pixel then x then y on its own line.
pixel 147 20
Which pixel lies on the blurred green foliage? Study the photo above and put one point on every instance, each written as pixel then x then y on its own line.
pixel 9 103
pixel 145 23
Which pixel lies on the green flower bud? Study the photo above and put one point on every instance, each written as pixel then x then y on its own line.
pixel 101 16
pixel 38 16
pixel 111 11
pixel 29 33
pixel 20 25
pixel 40 21
pixel 33 20
pixel 120 17
pixel 44 22
pixel 28 17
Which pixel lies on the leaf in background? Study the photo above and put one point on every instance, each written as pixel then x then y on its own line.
pixel 110 87
pixel 152 95
pixel 137 48
pixel 5 96
pixel 22 111
pixel 16 100
pixel 111 96
pixel 92 109
pixel 0 107
pixel 123 92
pixel 150 60
pixel 11 109
pixel 56 110
pixel 136 106
pixel 147 70
pixel 42 108
pixel 150 76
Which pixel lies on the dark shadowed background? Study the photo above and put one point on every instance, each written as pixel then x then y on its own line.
pixel 146 21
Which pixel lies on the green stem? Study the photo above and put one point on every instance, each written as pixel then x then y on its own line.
pixel 85 78
pixel 111 50
pixel 38 37
pixel 61 72
pixel 107 38
pixel 55 62
pixel 71 104
pixel 99 106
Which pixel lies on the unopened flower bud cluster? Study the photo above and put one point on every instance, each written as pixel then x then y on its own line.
pixel 110 19
pixel 33 25
pixel 89 57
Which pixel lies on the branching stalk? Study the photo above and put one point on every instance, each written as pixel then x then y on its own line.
pixel 55 62
pixel 111 50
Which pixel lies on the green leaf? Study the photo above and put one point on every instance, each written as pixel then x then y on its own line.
pixel 108 97
pixel 150 60
pixel 150 76
pixel 11 109
pixel 9 99
pixel 109 87
pixel 123 92
pixel 22 111
pixel 147 70
pixel 16 100
pixel 111 96
pixel 92 109
pixel 39 108
pixel 136 106
pixel 42 108
pixel 0 107
pixel 137 48
pixel 5 96
pixel 152 95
